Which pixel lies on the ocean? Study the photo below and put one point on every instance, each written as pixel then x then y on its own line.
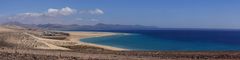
pixel 172 40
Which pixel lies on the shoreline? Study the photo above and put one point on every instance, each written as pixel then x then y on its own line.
pixel 76 36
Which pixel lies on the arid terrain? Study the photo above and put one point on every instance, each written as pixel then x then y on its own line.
pixel 18 43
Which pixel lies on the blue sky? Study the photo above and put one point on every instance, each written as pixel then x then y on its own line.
pixel 161 13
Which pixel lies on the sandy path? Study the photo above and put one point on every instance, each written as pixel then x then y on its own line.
pixel 50 46
pixel 2 29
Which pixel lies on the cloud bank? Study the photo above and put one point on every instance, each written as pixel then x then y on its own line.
pixel 53 15
pixel 51 12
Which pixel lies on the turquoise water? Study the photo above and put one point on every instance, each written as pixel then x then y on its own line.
pixel 143 42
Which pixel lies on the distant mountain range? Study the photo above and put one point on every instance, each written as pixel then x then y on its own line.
pixel 76 27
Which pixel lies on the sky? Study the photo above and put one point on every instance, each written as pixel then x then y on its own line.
pixel 160 13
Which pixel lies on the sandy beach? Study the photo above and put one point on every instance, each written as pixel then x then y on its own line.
pixel 73 39
pixel 77 36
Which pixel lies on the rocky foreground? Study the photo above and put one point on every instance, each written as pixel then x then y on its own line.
pixel 30 44
pixel 32 54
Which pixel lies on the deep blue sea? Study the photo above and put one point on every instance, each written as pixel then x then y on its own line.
pixel 172 40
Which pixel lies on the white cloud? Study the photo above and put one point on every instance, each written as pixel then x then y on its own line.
pixel 92 12
pixel 60 12
pixel 52 12
pixel 96 11
pixel 30 14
